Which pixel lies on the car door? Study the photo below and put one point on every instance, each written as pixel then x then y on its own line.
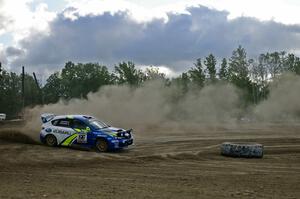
pixel 83 131
pixel 63 131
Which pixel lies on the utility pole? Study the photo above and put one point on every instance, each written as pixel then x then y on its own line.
pixel 0 70
pixel 39 88
pixel 23 89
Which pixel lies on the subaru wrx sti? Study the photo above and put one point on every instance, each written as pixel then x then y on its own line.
pixel 83 131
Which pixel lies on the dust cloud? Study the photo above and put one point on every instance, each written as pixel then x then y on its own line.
pixel 154 107
pixel 151 106
pixel 283 103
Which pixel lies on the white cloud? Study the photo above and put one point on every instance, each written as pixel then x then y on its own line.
pixel 284 11
pixel 176 43
pixel 18 21
pixel 162 69
pixel 21 20
pixel 159 32
pixel 96 7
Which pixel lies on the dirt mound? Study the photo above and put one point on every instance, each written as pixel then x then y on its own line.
pixel 16 135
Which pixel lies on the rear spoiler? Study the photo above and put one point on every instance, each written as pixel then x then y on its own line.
pixel 46 117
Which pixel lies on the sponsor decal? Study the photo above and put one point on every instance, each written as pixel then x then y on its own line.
pixel 82 138
pixel 61 132
pixel 69 140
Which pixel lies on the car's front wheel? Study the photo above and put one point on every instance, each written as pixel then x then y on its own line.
pixel 101 145
pixel 51 140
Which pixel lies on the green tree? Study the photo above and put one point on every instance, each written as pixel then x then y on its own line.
pixel 260 70
pixel 182 84
pixel 32 93
pixel 10 92
pixel 152 73
pixel 126 73
pixel 238 71
pixel 278 62
pixel 76 81
pixel 80 79
pixel 196 74
pixel 11 100
pixel 94 76
pixel 210 63
pixel 238 74
pixel 259 76
pixel 223 74
pixel 292 64
pixel 54 89
pixel 274 63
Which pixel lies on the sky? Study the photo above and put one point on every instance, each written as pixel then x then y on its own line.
pixel 171 34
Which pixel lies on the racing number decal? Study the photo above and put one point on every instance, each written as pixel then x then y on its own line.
pixel 82 138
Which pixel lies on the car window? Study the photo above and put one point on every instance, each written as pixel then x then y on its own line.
pixel 63 123
pixel 77 124
pixel 54 122
pixel 96 124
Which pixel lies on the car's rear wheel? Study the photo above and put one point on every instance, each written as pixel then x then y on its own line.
pixel 51 140
pixel 101 145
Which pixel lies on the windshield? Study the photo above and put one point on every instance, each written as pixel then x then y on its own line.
pixel 96 124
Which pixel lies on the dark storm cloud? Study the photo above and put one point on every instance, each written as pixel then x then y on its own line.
pixel 111 38
pixel 12 51
pixel 3 59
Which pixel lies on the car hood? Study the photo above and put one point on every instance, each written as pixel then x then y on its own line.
pixel 111 130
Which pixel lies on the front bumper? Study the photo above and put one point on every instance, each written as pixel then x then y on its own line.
pixel 125 143
pixel 120 143
pixel 42 138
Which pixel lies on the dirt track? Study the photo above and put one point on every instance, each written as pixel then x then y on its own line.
pixel 169 166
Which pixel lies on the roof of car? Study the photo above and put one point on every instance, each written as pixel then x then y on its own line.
pixel 80 117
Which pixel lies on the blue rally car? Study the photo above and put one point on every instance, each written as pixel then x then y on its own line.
pixel 82 131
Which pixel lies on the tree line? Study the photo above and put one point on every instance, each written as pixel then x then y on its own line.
pixel 251 76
